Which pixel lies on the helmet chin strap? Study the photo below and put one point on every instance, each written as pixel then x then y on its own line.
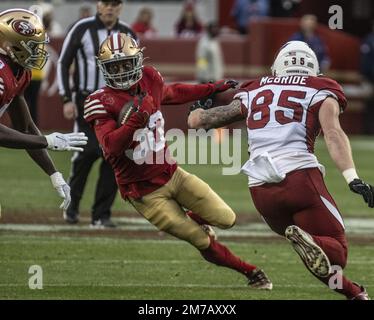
pixel 9 53
pixel 135 89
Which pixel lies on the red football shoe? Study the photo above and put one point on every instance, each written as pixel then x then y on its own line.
pixel 363 295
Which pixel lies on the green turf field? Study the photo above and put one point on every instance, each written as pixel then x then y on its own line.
pixel 81 264
pixel 24 185
pixel 105 268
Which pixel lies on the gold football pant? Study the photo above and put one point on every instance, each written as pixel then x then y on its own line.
pixel 164 208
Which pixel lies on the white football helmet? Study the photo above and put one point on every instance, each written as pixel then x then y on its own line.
pixel 295 58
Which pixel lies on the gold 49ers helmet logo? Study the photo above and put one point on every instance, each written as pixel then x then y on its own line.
pixel 23 27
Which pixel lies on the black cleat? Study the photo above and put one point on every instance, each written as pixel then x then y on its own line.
pixel 102 224
pixel 70 218
pixel 259 280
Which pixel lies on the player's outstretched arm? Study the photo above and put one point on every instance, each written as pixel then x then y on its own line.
pixel 28 136
pixel 10 138
pixel 14 139
pixel 216 117
pixel 179 93
pixel 22 121
pixel 340 149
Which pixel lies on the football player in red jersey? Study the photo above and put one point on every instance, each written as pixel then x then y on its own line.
pixel 284 114
pixel 22 40
pixel 127 119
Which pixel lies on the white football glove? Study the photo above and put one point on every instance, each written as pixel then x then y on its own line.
pixel 66 141
pixel 62 188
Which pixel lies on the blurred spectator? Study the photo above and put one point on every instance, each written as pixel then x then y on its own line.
pixel 188 24
pixel 143 24
pixel 209 56
pixel 283 8
pixel 85 11
pixel 53 27
pixel 307 33
pixel 244 11
pixel 367 71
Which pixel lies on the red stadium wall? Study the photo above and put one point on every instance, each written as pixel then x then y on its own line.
pixel 245 57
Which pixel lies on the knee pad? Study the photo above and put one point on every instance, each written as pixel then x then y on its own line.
pixel 182 228
pixel 190 232
pixel 227 218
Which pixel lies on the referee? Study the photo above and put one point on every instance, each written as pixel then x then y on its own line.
pixel 80 48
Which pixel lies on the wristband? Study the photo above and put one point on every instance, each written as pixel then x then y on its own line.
pixel 350 175
pixel 57 179
pixel 49 141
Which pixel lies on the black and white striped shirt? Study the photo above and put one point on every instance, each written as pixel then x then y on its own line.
pixel 81 45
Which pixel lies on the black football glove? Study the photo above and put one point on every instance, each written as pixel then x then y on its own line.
pixel 224 85
pixel 205 103
pixel 364 189
pixel 219 86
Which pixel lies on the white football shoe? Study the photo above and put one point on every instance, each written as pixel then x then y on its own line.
pixel 314 258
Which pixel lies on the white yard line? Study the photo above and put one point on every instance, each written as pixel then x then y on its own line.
pixel 353 226
pixel 295 261
pixel 162 285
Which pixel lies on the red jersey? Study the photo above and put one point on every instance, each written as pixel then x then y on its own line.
pixel 10 85
pixel 137 151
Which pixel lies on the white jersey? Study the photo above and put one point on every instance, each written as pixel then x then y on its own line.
pixel 282 123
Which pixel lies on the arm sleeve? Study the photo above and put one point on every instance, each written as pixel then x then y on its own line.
pixel 113 140
pixel 68 53
pixel 179 93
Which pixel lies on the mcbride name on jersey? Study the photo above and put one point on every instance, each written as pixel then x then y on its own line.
pixel 11 85
pixel 282 123
pixel 129 155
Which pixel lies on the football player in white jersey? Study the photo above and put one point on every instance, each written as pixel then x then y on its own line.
pixel 284 114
